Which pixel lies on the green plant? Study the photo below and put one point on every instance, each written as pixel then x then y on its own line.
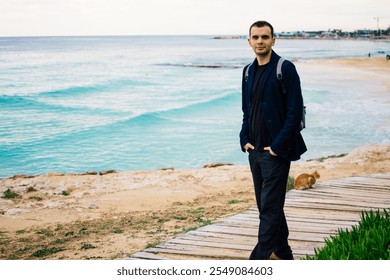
pixel 153 244
pixel 37 198
pixel 45 232
pixel 233 201
pixel 3 238
pixel 200 210
pixel 87 246
pixel 65 193
pixel 369 240
pixel 117 230
pixel 46 252
pixel 8 194
pixel 180 218
pixel 290 183
pixel 202 222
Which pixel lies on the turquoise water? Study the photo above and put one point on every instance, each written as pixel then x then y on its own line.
pixel 74 104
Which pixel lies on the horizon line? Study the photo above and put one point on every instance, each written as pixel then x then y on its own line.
pixel 162 35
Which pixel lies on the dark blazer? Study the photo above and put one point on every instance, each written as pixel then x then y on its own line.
pixel 282 112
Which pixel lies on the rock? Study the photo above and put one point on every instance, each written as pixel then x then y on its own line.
pixel 18 176
pixel 52 174
pixel 89 173
pixel 31 189
pixel 105 172
pixel 217 164
pixel 166 168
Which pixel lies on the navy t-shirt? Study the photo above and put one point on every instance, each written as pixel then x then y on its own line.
pixel 259 136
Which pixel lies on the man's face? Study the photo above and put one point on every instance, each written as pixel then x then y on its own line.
pixel 261 40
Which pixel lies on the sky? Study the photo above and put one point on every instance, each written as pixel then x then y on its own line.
pixel 185 17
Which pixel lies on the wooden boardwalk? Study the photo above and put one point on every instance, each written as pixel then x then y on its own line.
pixel 312 215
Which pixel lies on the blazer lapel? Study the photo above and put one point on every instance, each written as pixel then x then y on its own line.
pixel 249 83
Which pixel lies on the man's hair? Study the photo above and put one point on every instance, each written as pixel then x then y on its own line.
pixel 262 23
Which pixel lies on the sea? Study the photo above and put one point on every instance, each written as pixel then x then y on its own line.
pixel 93 103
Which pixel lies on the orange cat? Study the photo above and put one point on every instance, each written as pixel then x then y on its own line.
pixel 306 181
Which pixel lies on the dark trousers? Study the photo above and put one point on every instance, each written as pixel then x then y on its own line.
pixel 270 175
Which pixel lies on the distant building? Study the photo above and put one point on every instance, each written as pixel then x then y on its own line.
pixel 329 35
pixel 335 34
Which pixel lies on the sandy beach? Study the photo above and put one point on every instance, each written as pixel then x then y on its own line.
pixel 110 216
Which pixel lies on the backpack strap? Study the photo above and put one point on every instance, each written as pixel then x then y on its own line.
pixel 280 78
pixel 247 71
pixel 279 74
pixel 279 68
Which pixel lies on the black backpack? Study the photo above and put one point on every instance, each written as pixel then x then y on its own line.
pixel 280 78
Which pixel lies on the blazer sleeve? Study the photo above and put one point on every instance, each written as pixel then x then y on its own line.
pixel 244 133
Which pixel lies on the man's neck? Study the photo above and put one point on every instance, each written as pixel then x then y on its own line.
pixel 263 59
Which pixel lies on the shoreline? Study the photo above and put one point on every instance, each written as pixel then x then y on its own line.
pixel 113 214
pixel 113 171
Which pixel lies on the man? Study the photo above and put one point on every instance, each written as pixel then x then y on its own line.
pixel 270 134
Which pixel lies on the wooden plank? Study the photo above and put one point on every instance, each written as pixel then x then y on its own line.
pixel 337 193
pixel 381 176
pixel 321 222
pixel 297 212
pixel 341 194
pixel 319 206
pixel 312 216
pixel 345 189
pixel 200 251
pixel 356 186
pixel 344 204
pixel 296 228
pixel 175 255
pixel 337 215
pixel 210 252
pixel 293 225
pixel 249 241
pixel 148 256
pixel 209 243
pixel 254 231
pixel 230 239
pixel 239 239
pixel 367 180
pixel 193 253
pixel 304 215
pixel 359 183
